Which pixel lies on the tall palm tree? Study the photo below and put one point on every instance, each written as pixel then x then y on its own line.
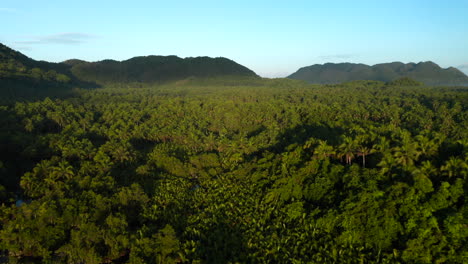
pixel 347 149
pixel 364 148
pixel 363 151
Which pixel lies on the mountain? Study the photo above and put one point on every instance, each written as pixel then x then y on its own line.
pixel 21 76
pixel 16 66
pixel 427 72
pixel 24 78
pixel 150 69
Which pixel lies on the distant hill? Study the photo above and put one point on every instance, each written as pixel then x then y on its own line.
pixel 21 76
pixel 427 72
pixel 24 78
pixel 147 69
pixel 151 69
pixel 16 66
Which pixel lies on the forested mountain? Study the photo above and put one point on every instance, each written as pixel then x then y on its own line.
pixel 148 69
pixel 152 69
pixel 426 72
pixel 14 63
pixel 23 77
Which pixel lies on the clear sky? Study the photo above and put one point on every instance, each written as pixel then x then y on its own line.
pixel 273 38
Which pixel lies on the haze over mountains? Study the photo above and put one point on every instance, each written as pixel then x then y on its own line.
pixel 426 72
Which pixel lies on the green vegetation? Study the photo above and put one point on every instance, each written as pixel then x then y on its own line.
pixel 16 66
pixel 153 69
pixel 425 72
pixel 199 160
pixel 22 78
pixel 405 81
pixel 237 171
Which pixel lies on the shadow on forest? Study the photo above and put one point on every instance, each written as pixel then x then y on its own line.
pixel 222 243
pixel 23 90
pixel 14 160
pixel 257 131
pixel 300 134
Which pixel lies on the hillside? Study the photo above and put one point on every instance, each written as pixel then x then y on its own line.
pixel 151 69
pixel 426 72
pixel 16 66
pixel 23 77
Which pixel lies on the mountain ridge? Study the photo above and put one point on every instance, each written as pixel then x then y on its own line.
pixel 427 72
pixel 15 66
pixel 155 68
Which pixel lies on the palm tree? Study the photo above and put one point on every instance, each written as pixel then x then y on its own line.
pixel 210 142
pixel 427 168
pixel 426 146
pixel 408 152
pixel 63 170
pixel 363 151
pixel 383 145
pixel 388 160
pixel 363 148
pixel 123 152
pixel 455 166
pixel 348 149
pixel 58 118
pixel 323 150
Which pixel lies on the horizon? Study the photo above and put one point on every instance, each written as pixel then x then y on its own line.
pixel 286 76
pixel 272 39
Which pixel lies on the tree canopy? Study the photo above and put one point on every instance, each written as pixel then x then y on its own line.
pixel 237 171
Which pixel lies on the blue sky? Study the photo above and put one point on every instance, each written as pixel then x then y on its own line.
pixel 273 38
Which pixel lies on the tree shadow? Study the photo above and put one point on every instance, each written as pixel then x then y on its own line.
pixel 223 242
pixel 301 134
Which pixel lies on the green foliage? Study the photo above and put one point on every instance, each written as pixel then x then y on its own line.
pixel 396 73
pixel 404 81
pixel 22 78
pixel 237 170
pixel 156 69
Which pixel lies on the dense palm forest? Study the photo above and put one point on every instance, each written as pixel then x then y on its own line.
pixel 242 170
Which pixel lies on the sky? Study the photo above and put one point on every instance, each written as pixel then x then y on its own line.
pixel 273 38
